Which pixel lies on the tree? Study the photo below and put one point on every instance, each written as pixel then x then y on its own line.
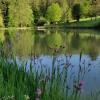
pixel 76 11
pixel 85 7
pixel 1 19
pixel 4 8
pixel 54 13
pixel 93 12
pixel 20 13
pixel 35 4
pixel 66 11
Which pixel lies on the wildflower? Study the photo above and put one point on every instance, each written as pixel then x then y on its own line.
pixel 81 83
pixel 38 92
pixel 79 86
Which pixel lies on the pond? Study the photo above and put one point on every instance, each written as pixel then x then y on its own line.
pixel 79 50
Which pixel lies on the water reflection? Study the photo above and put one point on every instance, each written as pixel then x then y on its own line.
pixel 27 42
pixel 2 37
pixel 54 40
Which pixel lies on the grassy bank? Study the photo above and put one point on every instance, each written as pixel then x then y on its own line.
pixel 84 23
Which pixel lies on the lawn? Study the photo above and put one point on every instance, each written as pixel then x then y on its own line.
pixel 84 23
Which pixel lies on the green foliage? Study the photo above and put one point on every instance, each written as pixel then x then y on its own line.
pixel 66 11
pixel 42 21
pixel 24 13
pixel 85 7
pixel 20 13
pixel 54 13
pixel 76 11
pixel 1 20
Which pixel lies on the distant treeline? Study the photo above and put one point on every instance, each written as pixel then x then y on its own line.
pixel 22 13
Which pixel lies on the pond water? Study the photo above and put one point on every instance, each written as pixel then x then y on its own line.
pixel 78 48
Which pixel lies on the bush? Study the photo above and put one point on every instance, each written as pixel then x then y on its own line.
pixel 53 13
pixel 42 21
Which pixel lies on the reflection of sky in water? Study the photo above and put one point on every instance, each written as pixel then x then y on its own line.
pixel 90 70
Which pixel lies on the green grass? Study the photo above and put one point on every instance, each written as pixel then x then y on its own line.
pixel 86 19
pixel 84 23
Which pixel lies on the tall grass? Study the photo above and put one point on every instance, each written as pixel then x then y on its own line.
pixel 18 83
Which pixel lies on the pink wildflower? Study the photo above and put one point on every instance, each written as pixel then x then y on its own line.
pixel 38 92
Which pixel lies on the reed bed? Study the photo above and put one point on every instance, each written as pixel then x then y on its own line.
pixel 18 83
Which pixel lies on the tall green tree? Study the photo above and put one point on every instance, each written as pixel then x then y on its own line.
pixel 54 13
pixel 1 19
pixel 20 13
pixel 35 4
pixel 76 11
pixel 66 12
pixel 4 4
pixel 85 7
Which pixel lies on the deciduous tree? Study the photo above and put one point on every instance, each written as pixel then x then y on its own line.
pixel 54 13
pixel 20 13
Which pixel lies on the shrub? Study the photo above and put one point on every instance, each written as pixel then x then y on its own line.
pixel 42 21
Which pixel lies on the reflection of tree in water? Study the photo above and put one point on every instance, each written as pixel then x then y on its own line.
pixel 93 53
pixel 75 41
pixel 54 40
pixel 38 44
pixel 7 45
pixel 93 48
pixel 22 42
pixel 90 46
pixel 2 37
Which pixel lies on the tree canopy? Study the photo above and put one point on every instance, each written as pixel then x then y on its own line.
pixel 76 11
pixel 54 13
pixel 1 19
pixel 20 14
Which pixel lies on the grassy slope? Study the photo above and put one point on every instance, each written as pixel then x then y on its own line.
pixel 84 23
